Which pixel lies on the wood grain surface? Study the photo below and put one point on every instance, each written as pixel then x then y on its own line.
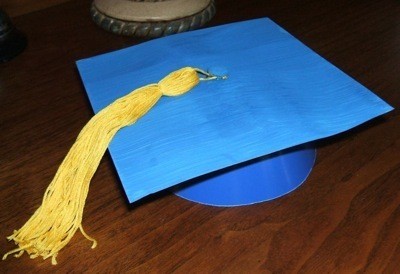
pixel 20 7
pixel 344 219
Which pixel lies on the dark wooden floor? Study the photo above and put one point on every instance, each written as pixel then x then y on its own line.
pixel 344 219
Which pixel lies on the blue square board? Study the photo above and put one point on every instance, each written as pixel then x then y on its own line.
pixel 279 93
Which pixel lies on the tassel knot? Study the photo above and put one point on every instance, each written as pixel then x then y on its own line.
pixel 179 82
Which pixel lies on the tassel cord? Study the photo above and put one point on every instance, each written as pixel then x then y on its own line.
pixel 55 222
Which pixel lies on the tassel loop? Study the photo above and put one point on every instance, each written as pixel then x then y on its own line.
pixel 179 82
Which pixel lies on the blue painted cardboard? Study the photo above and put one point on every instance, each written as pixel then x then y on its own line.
pixel 279 93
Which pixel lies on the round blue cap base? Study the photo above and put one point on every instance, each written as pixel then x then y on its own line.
pixel 255 181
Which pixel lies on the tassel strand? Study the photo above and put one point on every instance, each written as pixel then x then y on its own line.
pixel 55 222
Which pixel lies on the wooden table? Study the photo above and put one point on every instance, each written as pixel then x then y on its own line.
pixel 345 218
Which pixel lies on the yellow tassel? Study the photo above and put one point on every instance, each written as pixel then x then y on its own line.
pixel 55 222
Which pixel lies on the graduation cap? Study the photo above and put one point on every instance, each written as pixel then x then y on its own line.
pixel 275 94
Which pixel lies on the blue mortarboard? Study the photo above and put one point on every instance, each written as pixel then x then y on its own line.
pixel 279 94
